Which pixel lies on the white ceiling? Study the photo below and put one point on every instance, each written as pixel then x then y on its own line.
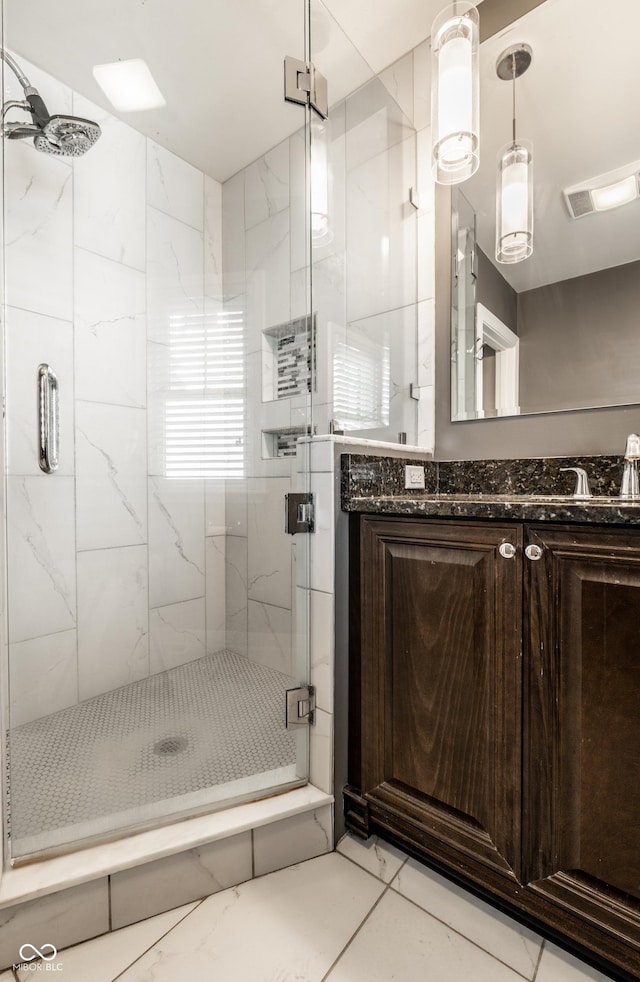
pixel 219 63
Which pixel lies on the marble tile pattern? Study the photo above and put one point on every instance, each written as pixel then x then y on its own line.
pixel 125 243
pixel 365 912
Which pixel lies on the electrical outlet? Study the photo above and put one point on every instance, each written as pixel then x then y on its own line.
pixel 414 476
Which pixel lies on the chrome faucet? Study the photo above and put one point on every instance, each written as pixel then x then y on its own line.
pixel 630 487
pixel 582 482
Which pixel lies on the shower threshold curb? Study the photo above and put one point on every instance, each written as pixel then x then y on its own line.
pixel 50 875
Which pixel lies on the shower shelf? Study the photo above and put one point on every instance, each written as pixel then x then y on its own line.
pixel 287 359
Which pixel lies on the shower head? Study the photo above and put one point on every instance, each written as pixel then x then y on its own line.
pixel 66 136
pixel 63 136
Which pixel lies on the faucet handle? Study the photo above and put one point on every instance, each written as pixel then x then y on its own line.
pixel 582 481
pixel 632 449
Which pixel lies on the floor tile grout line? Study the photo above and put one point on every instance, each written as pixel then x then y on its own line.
pixel 157 940
pixel 460 934
pixel 357 930
pixel 365 870
pixel 537 968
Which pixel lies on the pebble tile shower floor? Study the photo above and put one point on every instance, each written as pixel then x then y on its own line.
pixel 209 723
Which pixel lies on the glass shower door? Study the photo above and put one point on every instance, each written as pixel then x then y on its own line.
pixel 158 378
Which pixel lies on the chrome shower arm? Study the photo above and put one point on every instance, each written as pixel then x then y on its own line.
pixel 15 68
pixel 14 104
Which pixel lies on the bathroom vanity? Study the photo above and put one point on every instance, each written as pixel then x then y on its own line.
pixel 495 687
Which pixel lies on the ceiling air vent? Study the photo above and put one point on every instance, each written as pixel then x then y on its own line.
pixel 618 187
pixel 579 203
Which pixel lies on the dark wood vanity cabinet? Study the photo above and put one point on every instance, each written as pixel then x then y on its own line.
pixel 495 715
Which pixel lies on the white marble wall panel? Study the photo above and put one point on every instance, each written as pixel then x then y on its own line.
pixel 394 335
pixel 41 556
pixel 111 476
pixel 38 231
pixel 426 378
pixel 233 228
pixel 113 619
pixel 176 541
pixel 270 633
pixel 269 562
pixel 216 554
pixel 213 283
pixel 398 81
pixel 381 245
pixel 374 124
pixel 174 186
pixel 334 135
pixel 322 647
pixel 293 840
pixel 43 676
pixel 321 543
pixel 215 506
pixel 298 201
pixel 266 185
pixel 144 891
pixel 268 271
pixel 174 279
pixel 110 331
pixel 422 85
pixel 33 339
pixel 177 634
pixel 67 917
pixel 109 190
pixel 321 752
pixel 236 507
pixel 236 593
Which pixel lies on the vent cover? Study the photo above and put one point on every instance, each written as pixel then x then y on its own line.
pixel 579 203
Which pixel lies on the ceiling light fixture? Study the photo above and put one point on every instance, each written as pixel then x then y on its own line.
pixel 455 94
pixel 611 190
pixel 129 85
pixel 514 197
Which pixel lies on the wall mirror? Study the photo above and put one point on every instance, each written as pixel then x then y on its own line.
pixel 561 329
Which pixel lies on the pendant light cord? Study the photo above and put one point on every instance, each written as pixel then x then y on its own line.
pixel 514 98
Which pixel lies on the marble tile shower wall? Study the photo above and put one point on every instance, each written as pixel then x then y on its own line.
pixel 113 277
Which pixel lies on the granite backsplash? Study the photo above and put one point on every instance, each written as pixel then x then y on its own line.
pixel 363 476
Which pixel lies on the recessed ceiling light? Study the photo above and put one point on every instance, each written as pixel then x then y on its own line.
pixel 604 192
pixel 129 85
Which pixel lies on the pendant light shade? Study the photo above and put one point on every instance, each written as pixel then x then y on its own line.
pixel 455 94
pixel 514 203
pixel 514 192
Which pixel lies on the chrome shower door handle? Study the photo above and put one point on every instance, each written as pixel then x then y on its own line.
pixel 48 419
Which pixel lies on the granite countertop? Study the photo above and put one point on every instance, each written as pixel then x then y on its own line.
pixel 499 489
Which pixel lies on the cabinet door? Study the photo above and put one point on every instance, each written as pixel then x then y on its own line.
pixel 440 687
pixel 582 724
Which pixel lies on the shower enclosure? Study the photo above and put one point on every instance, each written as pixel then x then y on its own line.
pixel 159 372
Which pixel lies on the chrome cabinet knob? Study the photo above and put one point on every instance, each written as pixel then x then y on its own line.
pixel 507 550
pixel 533 552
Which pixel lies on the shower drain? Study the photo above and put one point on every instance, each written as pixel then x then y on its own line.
pixel 170 746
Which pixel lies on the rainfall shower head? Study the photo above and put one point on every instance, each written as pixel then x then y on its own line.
pixel 66 136
pixel 63 136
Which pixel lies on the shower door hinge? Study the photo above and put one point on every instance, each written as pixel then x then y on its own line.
pixel 306 86
pixel 300 706
pixel 299 512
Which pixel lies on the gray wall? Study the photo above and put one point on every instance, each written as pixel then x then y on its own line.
pixel 495 293
pixel 579 343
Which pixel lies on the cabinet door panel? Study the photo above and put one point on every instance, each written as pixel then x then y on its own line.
pixel 441 670
pixel 582 723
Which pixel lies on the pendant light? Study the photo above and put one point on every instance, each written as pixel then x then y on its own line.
pixel 514 197
pixel 455 93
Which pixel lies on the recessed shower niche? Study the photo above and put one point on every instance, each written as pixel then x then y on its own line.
pixel 288 371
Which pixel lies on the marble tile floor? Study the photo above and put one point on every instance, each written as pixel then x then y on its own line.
pixel 363 913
